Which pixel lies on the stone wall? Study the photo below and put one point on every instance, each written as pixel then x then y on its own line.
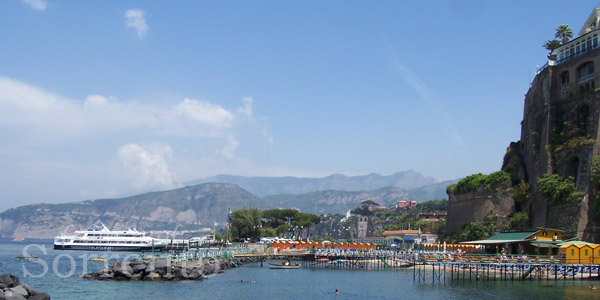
pixel 474 206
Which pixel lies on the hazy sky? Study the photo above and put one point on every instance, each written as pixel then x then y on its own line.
pixel 111 98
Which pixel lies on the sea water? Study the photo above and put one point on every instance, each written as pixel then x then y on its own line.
pixel 58 273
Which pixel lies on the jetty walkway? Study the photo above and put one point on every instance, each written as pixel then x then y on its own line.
pixel 425 265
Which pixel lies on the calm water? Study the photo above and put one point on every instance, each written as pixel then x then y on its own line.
pixel 270 284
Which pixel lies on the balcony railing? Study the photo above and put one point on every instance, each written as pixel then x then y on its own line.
pixel 585 78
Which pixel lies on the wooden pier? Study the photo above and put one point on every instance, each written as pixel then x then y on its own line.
pixel 490 271
pixel 434 270
pixel 337 259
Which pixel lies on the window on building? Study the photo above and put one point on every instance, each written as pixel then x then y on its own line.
pixel 572 252
pixel 564 78
pixel 589 43
pixel 577 49
pixel 586 252
pixel 571 51
pixel 585 70
pixel 595 41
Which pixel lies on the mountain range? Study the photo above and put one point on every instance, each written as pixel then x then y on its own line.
pixel 197 206
pixel 266 186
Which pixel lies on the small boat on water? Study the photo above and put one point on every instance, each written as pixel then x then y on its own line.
pixel 98 259
pixel 284 265
pixel 26 257
pixel 19 239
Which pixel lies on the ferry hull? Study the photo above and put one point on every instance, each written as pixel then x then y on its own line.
pixel 104 248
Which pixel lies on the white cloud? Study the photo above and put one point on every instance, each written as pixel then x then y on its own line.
pixel 200 113
pixel 45 114
pixel 135 19
pixel 199 138
pixel 36 4
pixel 147 169
pixel 246 110
pixel 267 135
pixel 228 151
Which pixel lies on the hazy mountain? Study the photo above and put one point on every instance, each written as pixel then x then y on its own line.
pixel 189 207
pixel 194 207
pixel 265 186
pixel 335 201
pixel 430 192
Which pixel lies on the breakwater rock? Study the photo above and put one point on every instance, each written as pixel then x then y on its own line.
pixel 163 269
pixel 12 289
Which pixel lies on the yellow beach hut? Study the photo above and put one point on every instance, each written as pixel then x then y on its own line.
pixel 568 254
pixel 595 253
pixel 585 253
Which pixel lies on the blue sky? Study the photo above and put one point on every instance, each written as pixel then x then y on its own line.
pixel 107 99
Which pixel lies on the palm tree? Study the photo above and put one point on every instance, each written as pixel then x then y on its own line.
pixel 551 45
pixel 564 32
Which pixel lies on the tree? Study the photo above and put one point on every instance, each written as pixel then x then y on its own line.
pixel 369 203
pixel 246 223
pixel 551 45
pixel 268 232
pixel 433 205
pixel 277 217
pixel 564 32
pixel 305 221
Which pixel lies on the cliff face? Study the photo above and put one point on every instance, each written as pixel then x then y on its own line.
pixel 186 208
pixel 559 135
pixel 474 206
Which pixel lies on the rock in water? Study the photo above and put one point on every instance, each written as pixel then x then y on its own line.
pixel 11 289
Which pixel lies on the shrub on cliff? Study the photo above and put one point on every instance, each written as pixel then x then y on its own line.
pixel 519 220
pixel 473 182
pixel 556 189
pixel 596 179
pixel 475 230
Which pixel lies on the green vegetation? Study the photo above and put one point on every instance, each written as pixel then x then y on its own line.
pixel 521 193
pixel 473 182
pixel 556 189
pixel 433 205
pixel 512 163
pixel 519 220
pixel 595 178
pixel 551 45
pixel 564 32
pixel 475 231
pixel 251 223
pixel 573 143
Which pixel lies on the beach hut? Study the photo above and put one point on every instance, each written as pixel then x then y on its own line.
pixel 568 253
pixel 585 253
pixel 595 253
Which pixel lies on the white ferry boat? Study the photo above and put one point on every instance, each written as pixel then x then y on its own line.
pixel 103 239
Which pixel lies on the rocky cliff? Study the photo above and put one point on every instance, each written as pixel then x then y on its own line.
pixel 559 135
pixel 191 207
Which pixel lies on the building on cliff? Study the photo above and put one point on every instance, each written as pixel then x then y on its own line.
pixel 560 134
